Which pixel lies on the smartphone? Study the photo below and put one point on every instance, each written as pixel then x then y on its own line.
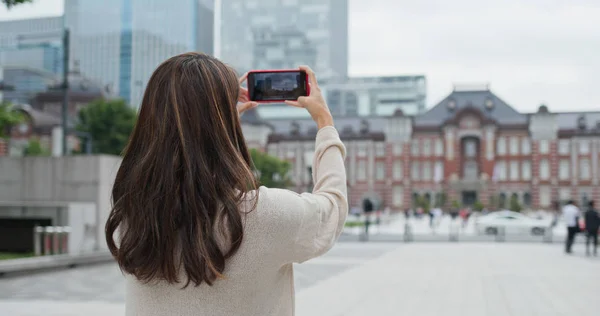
pixel 277 85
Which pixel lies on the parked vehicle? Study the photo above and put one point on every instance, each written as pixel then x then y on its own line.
pixel 511 223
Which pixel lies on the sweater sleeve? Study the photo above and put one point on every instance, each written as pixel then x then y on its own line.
pixel 313 221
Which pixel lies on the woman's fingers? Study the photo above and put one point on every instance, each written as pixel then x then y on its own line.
pixel 243 78
pixel 246 106
pixel 312 78
pixel 293 103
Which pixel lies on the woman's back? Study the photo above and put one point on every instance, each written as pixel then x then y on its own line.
pixel 195 238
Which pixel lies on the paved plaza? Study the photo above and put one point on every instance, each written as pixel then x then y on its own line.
pixel 354 279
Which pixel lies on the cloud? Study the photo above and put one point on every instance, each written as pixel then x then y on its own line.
pixel 542 51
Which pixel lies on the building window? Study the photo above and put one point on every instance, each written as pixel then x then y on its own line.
pixel 362 149
pixel 514 145
pixel 362 170
pixel 564 194
pixel 414 172
pixel 397 172
pixel 564 147
pixel 584 169
pixel 414 148
pixel 584 147
pixel 500 171
pixel 545 197
pixel 525 146
pixel 438 175
pixel 427 171
pixel 514 170
pixel 526 170
pixel 544 146
pixel 564 169
pixel 291 151
pixel 527 199
pixel 501 146
pixel 544 169
pixel 427 147
pixel 380 149
pixel 470 148
pixel 398 149
pixel 439 147
pixel 398 196
pixel 380 170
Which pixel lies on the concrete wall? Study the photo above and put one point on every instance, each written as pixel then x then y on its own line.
pixel 61 179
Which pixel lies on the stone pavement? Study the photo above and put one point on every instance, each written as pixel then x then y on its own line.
pixel 354 279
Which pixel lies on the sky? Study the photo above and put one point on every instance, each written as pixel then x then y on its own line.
pixel 529 51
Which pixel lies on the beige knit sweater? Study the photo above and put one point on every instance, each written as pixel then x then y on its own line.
pixel 285 227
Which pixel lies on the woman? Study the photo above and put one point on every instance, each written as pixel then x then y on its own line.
pixel 196 236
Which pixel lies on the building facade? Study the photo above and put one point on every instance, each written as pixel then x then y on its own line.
pixel 470 147
pixel 277 34
pixel 119 43
pixel 35 43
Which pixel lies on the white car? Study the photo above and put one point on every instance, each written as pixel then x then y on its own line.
pixel 511 223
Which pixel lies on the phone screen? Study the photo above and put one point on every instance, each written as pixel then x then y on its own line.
pixel 277 85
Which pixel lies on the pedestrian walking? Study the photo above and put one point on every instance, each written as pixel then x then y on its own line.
pixel 571 215
pixel 367 210
pixel 592 223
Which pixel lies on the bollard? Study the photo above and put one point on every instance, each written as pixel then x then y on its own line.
pixel 48 233
pixel 65 239
pixel 454 232
pixel 407 232
pixel 501 234
pixel 548 235
pixel 56 240
pixel 38 233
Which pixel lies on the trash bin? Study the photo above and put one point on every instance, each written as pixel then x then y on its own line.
pixel 48 236
pixel 38 235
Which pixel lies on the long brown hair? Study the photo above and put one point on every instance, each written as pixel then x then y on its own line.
pixel 184 174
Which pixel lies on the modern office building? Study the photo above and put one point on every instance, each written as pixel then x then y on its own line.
pixel 119 43
pixel 35 43
pixel 275 34
pixel 376 96
pixel 472 146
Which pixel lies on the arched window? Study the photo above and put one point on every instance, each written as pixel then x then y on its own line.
pixel 502 200
pixel 428 198
pixel 415 199
pixel 527 199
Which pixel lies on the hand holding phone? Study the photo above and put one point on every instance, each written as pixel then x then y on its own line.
pixel 277 85
pixel 314 103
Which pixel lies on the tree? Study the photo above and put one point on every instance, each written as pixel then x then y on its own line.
pixel 478 206
pixel 493 204
pixel 11 3
pixel 8 117
pixel 455 204
pixel 271 171
pixel 109 123
pixel 514 204
pixel 34 148
pixel 423 203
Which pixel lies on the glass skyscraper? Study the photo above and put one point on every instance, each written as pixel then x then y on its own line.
pixel 276 34
pixel 17 48
pixel 119 43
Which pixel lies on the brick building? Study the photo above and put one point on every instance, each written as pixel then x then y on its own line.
pixel 471 146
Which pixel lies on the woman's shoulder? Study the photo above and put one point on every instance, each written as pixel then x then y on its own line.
pixel 275 204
